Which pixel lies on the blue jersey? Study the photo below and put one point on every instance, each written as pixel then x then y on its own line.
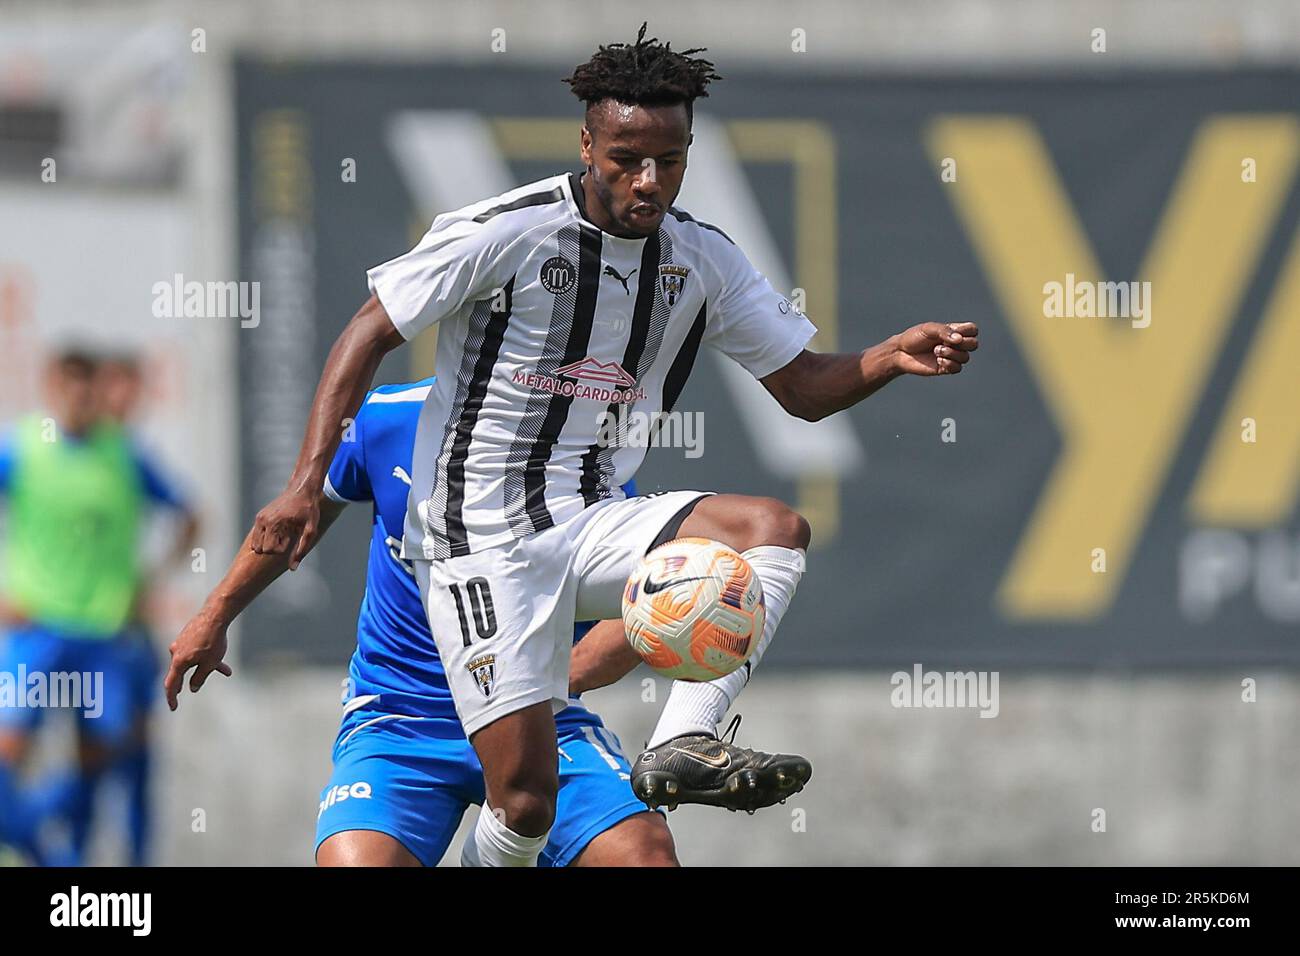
pixel 396 666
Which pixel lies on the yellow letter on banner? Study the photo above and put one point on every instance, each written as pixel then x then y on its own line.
pixel 1253 484
pixel 1121 396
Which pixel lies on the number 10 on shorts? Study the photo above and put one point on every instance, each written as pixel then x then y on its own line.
pixel 479 595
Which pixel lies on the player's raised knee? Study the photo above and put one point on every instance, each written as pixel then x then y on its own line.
pixel 774 522
pixel 743 522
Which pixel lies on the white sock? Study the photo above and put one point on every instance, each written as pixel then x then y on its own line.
pixel 494 844
pixel 698 708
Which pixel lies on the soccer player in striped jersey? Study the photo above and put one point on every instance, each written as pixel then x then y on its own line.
pixel 564 304
pixel 404 773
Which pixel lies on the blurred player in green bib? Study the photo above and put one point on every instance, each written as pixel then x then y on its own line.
pixel 120 383
pixel 76 493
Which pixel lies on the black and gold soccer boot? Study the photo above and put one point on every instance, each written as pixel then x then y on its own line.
pixel 699 768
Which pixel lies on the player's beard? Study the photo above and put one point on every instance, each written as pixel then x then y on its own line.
pixel 605 196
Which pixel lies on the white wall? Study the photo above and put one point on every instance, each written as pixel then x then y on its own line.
pixel 1186 771
pixel 901 34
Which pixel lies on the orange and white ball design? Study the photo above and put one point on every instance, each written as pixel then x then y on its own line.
pixel 693 609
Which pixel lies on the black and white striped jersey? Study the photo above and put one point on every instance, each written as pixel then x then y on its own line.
pixel 551 329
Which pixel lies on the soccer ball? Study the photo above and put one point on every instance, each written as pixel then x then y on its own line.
pixel 693 609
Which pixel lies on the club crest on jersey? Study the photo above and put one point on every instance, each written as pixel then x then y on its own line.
pixel 672 279
pixel 558 275
pixel 484 669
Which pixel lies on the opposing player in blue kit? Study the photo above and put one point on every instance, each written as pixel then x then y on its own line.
pixel 404 772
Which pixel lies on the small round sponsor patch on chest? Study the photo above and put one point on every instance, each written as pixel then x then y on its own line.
pixel 558 275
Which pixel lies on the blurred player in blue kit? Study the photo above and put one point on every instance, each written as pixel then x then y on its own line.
pixel 77 491
pixel 120 382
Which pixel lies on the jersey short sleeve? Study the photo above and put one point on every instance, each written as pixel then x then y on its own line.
pixel 158 488
pixel 752 323
pixel 456 262
pixel 347 481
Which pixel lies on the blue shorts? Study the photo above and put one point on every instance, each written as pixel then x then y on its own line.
pixel 30 654
pixel 413 778
pixel 144 668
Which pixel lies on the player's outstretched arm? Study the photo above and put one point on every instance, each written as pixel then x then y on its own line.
pixel 187 535
pixel 601 658
pixel 813 386
pixel 291 523
pixel 202 642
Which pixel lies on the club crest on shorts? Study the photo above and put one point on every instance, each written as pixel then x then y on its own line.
pixel 672 279
pixel 484 669
pixel 558 275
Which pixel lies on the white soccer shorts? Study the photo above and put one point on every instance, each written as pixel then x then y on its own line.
pixel 503 618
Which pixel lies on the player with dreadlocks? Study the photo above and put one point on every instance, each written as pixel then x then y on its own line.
pixel 565 303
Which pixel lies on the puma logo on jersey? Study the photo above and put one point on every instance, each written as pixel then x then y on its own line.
pixel 721 762
pixel 400 473
pixel 611 271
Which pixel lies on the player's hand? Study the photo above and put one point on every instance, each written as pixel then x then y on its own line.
pixel 201 645
pixel 935 348
pixel 288 525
